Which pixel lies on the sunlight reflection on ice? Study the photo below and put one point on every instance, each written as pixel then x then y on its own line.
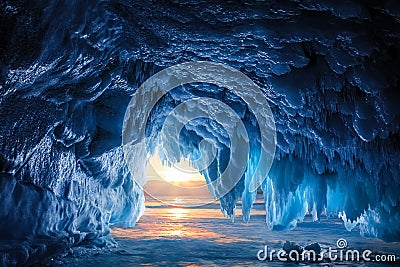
pixel 177 213
pixel 176 223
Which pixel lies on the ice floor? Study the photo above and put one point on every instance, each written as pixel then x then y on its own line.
pixel 172 236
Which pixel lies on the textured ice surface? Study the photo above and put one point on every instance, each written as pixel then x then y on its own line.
pixel 69 68
pixel 202 237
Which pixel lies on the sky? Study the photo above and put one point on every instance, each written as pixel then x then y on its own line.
pixel 178 181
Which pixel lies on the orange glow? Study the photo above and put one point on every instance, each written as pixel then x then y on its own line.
pixel 180 173
pixel 177 213
pixel 177 223
pixel 179 185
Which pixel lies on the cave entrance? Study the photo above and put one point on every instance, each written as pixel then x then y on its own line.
pixel 178 184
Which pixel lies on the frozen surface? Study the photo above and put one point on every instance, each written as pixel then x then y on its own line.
pixel 167 236
pixel 69 68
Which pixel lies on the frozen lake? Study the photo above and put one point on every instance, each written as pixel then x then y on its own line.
pixel 174 236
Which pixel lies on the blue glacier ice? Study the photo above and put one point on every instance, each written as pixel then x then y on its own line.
pixel 68 70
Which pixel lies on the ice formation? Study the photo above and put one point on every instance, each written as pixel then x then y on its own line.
pixel 329 71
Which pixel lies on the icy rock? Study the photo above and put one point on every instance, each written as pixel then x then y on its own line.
pixel 313 247
pixel 291 246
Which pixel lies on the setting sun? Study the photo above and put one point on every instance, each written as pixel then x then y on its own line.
pixel 180 173
pixel 177 185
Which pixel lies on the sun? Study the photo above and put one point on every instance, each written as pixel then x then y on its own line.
pixel 174 175
pixel 178 185
pixel 179 173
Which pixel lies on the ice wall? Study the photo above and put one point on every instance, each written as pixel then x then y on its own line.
pixel 69 68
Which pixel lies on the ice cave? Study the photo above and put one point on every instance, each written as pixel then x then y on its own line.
pixel 328 71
